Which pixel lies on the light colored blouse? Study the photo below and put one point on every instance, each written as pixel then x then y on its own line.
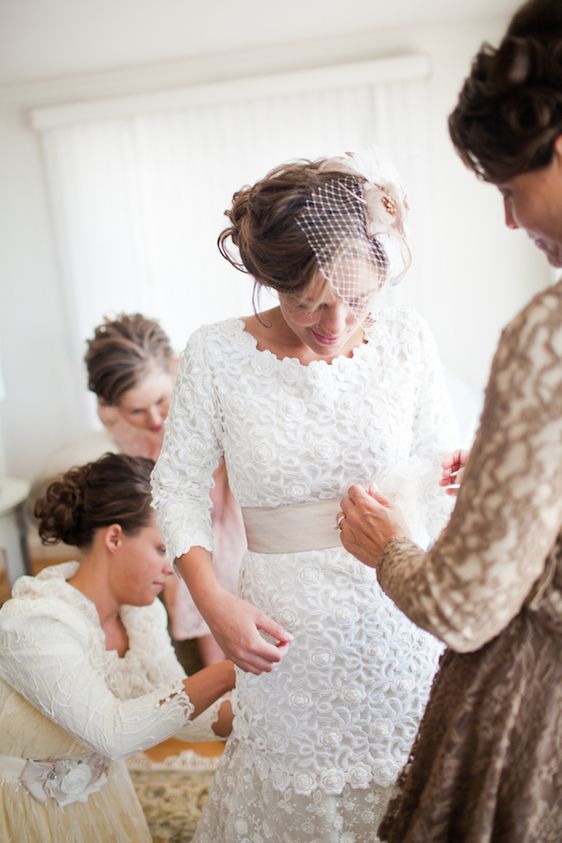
pixel 53 656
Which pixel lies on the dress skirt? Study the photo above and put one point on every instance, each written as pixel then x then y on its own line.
pixel 486 764
pixel 112 815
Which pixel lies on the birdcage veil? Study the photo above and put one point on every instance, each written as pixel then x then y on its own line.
pixel 355 224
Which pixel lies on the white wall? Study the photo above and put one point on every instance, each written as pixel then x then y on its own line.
pixel 37 413
pixel 483 273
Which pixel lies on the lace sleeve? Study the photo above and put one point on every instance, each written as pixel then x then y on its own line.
pixel 201 728
pixel 45 659
pixel 434 433
pixel 509 509
pixel 162 668
pixel 183 476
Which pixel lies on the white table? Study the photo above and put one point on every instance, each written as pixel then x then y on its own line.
pixel 13 494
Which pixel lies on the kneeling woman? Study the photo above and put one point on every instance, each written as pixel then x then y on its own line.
pixel 88 674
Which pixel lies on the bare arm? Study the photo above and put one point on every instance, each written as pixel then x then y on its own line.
pixel 207 685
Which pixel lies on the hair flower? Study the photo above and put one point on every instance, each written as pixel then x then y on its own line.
pixel 386 209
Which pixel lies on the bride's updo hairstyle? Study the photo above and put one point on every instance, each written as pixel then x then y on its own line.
pixel 114 489
pixel 509 112
pixel 122 352
pixel 270 245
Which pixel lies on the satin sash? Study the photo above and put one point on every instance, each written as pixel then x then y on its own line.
pixel 292 528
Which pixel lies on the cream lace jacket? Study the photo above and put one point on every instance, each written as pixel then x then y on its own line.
pixel 53 661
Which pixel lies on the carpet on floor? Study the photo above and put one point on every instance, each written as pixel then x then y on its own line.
pixel 172 793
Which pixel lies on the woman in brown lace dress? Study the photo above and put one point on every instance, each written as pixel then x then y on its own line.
pixel 487 762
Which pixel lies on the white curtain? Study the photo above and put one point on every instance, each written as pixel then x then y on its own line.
pixel 139 186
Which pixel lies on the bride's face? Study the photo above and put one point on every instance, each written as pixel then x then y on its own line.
pixel 322 320
pixel 533 201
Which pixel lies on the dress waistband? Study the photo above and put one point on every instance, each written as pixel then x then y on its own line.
pixel 66 780
pixel 292 528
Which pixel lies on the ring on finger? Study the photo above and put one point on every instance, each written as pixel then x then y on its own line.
pixel 340 518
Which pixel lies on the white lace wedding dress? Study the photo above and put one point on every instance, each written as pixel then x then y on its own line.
pixel 317 743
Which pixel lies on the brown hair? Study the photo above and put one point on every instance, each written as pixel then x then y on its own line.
pixel 271 246
pixel 122 352
pixel 114 489
pixel 509 111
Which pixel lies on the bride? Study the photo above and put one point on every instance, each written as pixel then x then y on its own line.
pixel 326 389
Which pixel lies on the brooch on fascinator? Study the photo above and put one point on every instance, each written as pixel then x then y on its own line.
pixel 386 204
pixel 386 209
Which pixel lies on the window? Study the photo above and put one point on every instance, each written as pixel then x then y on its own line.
pixel 139 184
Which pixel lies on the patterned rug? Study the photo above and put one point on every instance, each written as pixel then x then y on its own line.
pixel 172 793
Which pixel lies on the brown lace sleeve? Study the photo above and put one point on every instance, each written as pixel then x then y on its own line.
pixel 474 580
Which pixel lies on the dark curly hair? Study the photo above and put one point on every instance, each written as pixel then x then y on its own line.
pixel 122 352
pixel 509 111
pixel 271 246
pixel 115 489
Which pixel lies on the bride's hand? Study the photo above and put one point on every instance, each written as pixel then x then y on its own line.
pixel 236 626
pixel 453 470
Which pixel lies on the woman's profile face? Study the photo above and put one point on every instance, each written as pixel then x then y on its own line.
pixel 146 405
pixel 141 568
pixel 533 201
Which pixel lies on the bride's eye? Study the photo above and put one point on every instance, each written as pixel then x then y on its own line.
pixel 358 304
pixel 307 309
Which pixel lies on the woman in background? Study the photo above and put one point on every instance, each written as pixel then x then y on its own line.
pixel 131 369
pixel 487 762
pixel 88 674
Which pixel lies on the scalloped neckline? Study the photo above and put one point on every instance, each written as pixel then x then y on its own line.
pixel 336 363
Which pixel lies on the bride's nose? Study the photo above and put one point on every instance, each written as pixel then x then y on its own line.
pixel 334 319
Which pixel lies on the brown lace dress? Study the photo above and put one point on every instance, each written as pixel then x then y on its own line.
pixel 487 761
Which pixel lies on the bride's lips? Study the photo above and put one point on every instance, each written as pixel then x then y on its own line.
pixel 324 340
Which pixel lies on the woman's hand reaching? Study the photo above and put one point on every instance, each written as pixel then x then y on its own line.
pixel 453 470
pixel 367 522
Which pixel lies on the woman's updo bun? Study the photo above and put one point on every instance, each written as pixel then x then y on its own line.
pixel 114 489
pixel 60 511
pixel 509 112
